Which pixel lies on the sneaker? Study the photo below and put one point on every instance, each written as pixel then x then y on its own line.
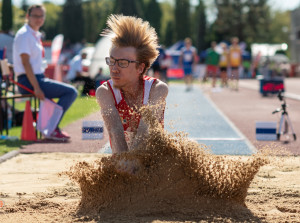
pixel 65 134
pixel 57 135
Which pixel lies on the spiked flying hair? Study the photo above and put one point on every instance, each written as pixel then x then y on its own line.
pixel 129 31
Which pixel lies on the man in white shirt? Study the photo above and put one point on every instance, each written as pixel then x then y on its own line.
pixel 29 66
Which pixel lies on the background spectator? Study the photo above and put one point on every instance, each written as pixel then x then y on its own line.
pixel 76 74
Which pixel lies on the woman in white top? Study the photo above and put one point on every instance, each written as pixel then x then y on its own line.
pixel 29 66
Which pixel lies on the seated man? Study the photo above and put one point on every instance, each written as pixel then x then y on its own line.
pixel 134 48
pixel 76 74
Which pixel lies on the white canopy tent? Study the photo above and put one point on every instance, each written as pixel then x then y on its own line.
pixel 101 51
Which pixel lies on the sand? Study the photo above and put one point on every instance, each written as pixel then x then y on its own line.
pixel 33 191
pixel 170 179
pixel 167 174
pixel 173 180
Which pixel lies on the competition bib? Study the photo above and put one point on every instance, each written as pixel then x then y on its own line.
pixel 188 57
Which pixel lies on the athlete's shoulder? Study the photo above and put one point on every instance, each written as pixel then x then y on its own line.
pixel 194 49
pixel 234 48
pixel 148 78
pixel 103 90
pixel 105 96
pixel 160 87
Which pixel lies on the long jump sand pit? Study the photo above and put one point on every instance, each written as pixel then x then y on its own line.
pixel 175 181
pixel 33 191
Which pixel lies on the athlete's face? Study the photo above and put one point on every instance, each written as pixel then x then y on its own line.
pixel 235 41
pixel 188 44
pixel 125 70
pixel 36 18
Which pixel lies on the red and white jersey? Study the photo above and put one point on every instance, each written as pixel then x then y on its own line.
pixel 130 119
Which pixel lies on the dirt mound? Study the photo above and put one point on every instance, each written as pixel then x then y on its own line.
pixel 173 175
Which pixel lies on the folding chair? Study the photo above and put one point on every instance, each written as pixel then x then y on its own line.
pixel 7 92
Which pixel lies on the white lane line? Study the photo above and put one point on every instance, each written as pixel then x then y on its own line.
pixel 217 139
pixel 292 96
pixel 241 135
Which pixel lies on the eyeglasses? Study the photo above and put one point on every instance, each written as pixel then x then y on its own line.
pixel 37 16
pixel 123 63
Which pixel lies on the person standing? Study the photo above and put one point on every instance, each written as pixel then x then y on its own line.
pixel 29 66
pixel 235 61
pixel 188 59
pixel 164 64
pixel 223 64
pixel 134 49
pixel 212 61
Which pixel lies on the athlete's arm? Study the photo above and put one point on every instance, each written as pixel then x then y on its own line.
pixel 157 103
pixel 180 61
pixel 241 56
pixel 111 119
pixel 195 57
pixel 157 97
pixel 25 58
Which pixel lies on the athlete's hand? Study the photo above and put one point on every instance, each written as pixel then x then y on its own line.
pixel 128 166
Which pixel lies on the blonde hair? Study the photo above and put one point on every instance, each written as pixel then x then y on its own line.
pixel 37 6
pixel 188 40
pixel 129 31
pixel 235 39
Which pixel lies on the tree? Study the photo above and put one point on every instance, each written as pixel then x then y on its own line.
pixel 258 22
pixel 52 25
pixel 167 32
pixel 153 15
pixel 228 19
pixel 182 19
pixel 249 20
pixel 7 16
pixel 129 7
pixel 90 14
pixel 280 27
pixel 170 37
pixel 24 5
pixel 200 26
pixel 18 18
pixel 72 20
pixel 95 14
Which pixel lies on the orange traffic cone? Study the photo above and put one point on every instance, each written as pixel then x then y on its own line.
pixel 28 132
